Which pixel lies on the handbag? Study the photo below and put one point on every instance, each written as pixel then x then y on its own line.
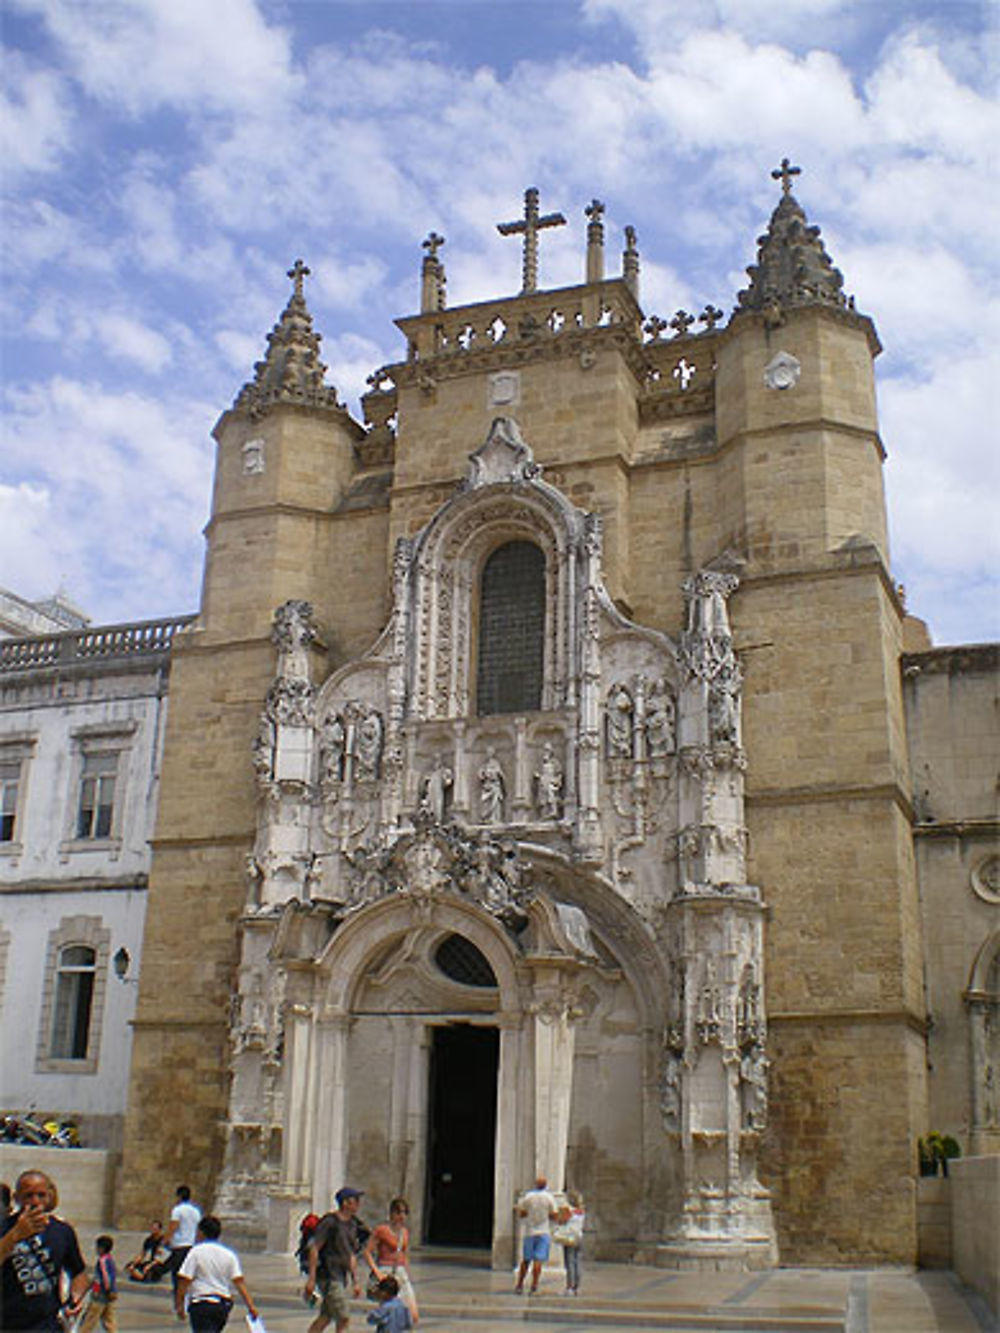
pixel 565 1235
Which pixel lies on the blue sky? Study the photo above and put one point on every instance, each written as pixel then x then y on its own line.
pixel 164 161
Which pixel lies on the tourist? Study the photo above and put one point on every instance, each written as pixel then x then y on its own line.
pixel 569 1234
pixel 149 1264
pixel 388 1254
pixel 103 1290
pixel 37 1249
pixel 184 1219
pixel 207 1279
pixel 333 1262
pixel 390 1315
pixel 538 1208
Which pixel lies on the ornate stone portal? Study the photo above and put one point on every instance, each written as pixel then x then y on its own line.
pixel 591 849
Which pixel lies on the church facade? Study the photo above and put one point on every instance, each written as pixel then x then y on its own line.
pixel 536 795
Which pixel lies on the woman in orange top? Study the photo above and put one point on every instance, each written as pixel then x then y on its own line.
pixel 388 1253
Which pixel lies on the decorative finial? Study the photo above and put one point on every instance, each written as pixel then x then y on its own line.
pixel 297 272
pixel 710 316
pixel 784 173
pixel 594 210
pixel 433 244
pixel 530 226
pixel 681 323
pixel 654 326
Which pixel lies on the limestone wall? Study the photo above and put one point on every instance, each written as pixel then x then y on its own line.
pixel 975 1193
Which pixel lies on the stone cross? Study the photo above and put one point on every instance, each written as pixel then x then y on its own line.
pixel 681 322
pixel 595 212
pixel 433 244
pixel 654 326
pixel 297 272
pixel 530 226
pixel 784 173
pixel 710 316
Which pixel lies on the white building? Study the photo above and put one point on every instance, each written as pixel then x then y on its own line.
pixel 81 733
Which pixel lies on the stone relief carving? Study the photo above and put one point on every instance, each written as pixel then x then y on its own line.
pixel 706 648
pixel 783 371
pixel 504 456
pixel 253 457
pixel 753 1089
pixel 661 721
pixel 333 743
pixel 619 718
pixel 492 789
pixel 442 858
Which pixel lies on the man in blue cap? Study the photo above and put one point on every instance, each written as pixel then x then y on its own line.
pixel 333 1262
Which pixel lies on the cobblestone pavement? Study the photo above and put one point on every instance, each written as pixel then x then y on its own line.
pixel 460 1298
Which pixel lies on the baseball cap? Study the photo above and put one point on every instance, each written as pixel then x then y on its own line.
pixel 348 1193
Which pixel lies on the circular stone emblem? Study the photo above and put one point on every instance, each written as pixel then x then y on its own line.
pixel 986 879
pixel 782 371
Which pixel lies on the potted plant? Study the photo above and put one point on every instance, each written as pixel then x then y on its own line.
pixel 935 1151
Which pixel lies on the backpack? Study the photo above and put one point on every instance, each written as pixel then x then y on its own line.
pixel 306 1228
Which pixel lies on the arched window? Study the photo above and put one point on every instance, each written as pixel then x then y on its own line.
pixel 73 1000
pixel 511 630
pixel 459 959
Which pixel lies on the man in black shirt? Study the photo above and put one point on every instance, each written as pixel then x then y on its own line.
pixel 36 1248
pixel 333 1261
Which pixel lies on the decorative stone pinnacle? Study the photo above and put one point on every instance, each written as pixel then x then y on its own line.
pixel 531 224
pixel 432 244
pixel 594 210
pixel 710 316
pixel 654 326
pixel 682 322
pixel 291 371
pixel 784 173
pixel 297 273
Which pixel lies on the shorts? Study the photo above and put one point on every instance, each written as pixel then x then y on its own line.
pixel 536 1248
pixel 334 1304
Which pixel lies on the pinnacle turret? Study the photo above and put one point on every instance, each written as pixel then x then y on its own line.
pixel 793 267
pixel 291 371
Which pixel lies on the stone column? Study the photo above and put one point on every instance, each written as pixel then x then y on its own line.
pixel 505 1173
pixel 330 1041
pixel 554 1036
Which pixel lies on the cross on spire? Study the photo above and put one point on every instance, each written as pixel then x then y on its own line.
pixel 784 173
pixel 594 210
pixel 297 272
pixel 433 244
pixel 529 227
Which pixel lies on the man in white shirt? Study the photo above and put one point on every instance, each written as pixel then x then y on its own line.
pixel 208 1277
pixel 184 1219
pixel 538 1208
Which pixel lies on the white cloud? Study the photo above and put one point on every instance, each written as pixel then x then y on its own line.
pixel 35 121
pixel 130 340
pixel 187 54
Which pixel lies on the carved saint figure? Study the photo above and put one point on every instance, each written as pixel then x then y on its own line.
pixel 437 786
pixel 492 789
pixel 549 784
pixel 670 1091
pixel 332 740
pixel 661 721
pixel 619 723
pixel 263 749
pixel 753 1088
pixel 368 745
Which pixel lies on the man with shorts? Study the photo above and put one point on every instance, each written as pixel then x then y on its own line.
pixel 538 1208
pixel 333 1262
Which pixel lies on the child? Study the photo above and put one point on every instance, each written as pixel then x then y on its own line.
pixel 390 1315
pixel 569 1233
pixel 103 1290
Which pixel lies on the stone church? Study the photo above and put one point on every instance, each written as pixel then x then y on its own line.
pixel 537 793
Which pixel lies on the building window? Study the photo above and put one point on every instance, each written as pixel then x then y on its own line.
pixel 97 795
pixel 511 630
pixel 74 999
pixel 77 963
pixel 10 782
pixel 459 959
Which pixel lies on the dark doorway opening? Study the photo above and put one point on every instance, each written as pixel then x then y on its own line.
pixel 462 1123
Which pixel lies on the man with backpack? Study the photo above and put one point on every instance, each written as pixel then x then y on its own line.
pixel 333 1262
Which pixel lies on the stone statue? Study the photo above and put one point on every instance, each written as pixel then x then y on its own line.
pixel 670 1091
pixel 549 784
pixel 492 789
pixel 661 721
pixel 619 716
pixel 263 749
pixel 437 786
pixel 332 740
pixel 753 1088
pixel 368 745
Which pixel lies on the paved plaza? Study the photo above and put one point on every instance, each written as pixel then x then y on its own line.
pixel 465 1298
